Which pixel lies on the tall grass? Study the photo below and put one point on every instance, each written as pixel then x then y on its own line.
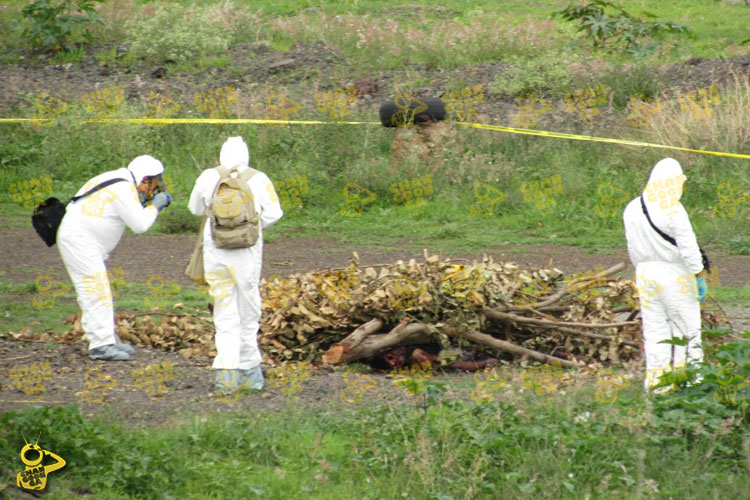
pixel 517 446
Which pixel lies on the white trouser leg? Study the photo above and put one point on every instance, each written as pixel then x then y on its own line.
pixel 223 291
pixel 89 276
pixel 669 309
pixel 250 309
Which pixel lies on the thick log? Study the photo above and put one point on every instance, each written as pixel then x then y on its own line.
pixel 483 338
pixel 403 334
pixel 336 354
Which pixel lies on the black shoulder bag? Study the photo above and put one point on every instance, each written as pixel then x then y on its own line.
pixel 706 262
pixel 48 215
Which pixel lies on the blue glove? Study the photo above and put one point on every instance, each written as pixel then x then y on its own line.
pixel 162 200
pixel 702 288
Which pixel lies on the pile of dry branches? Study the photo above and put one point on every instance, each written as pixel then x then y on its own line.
pixel 483 306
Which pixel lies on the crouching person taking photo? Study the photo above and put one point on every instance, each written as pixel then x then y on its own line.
pixel 90 230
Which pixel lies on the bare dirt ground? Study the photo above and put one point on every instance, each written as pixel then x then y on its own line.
pixel 23 256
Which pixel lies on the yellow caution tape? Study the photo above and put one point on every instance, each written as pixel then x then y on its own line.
pixel 512 130
pixel 627 142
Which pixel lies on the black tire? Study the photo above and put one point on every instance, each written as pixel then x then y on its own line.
pixel 435 111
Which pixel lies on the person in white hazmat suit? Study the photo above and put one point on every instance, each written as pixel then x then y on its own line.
pixel 233 275
pixel 670 278
pixel 90 230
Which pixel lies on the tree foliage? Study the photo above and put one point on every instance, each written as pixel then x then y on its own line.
pixel 55 23
pixel 619 25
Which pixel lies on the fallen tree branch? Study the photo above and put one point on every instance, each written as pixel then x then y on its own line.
pixel 565 291
pixel 488 340
pixel 491 313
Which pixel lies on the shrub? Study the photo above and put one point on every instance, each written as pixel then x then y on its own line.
pixel 177 35
pixel 53 24
pixel 621 27
pixel 545 74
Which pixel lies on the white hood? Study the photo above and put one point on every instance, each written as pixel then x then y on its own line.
pixel 664 187
pixel 145 166
pixel 234 153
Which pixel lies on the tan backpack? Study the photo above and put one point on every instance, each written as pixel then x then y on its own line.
pixel 234 221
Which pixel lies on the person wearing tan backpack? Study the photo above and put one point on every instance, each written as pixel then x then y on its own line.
pixel 237 203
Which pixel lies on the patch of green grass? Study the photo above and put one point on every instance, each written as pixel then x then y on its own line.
pixel 737 295
pixel 565 444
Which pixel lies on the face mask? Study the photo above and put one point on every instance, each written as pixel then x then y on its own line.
pixel 149 187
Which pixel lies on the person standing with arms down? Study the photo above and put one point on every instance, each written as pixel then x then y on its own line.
pixel 90 230
pixel 233 270
pixel 670 275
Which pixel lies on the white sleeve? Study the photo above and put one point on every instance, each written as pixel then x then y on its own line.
pixel 130 210
pixel 270 208
pixel 687 244
pixel 202 191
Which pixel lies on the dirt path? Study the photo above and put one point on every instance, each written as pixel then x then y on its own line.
pixel 23 256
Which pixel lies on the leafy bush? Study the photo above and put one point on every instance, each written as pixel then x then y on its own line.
pixel 548 73
pixel 177 35
pixel 622 27
pixel 53 24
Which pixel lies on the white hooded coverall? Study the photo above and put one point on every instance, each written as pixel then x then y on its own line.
pixel 233 275
pixel 90 230
pixel 665 274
